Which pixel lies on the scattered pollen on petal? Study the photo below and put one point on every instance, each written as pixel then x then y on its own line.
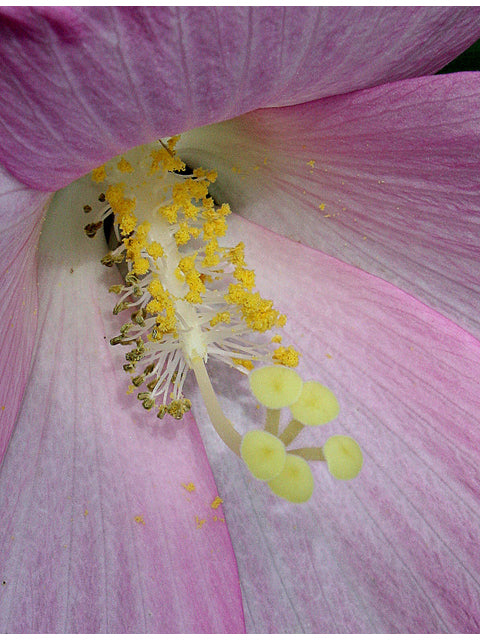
pixel 139 520
pixel 216 502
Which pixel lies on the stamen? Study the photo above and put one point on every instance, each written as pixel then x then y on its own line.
pixel 190 299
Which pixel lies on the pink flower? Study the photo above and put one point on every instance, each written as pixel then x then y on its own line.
pixel 356 178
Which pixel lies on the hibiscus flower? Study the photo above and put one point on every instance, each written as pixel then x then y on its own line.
pixel 355 175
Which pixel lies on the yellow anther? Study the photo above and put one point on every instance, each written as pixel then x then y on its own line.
pixel 155 250
pixel 263 453
pixel 127 222
pixel 119 203
pixel 245 276
pixel 247 364
pixel 316 405
pixel 277 339
pixel 155 306
pixel 211 254
pixel 141 266
pixel 287 356
pixel 187 263
pixel 214 229
pixel 236 294
pixel 155 288
pixel 161 157
pixel 196 286
pixel 295 482
pixel 237 255
pixel 141 232
pixel 124 166
pixel 169 212
pixel 99 174
pixel 224 210
pixel 344 457
pixel 224 317
pixel 185 232
pixel 275 386
pixel 172 142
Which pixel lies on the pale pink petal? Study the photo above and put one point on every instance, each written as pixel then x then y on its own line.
pixel 79 85
pixel 395 550
pixel 386 179
pixel 99 530
pixel 20 219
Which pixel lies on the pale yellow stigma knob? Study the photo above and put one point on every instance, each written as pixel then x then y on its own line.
pixel 344 457
pixel 316 405
pixel 263 453
pixel 275 386
pixel 295 482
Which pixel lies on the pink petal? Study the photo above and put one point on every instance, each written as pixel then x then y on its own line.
pixel 385 179
pixel 79 85
pixel 100 533
pixel 395 550
pixel 21 212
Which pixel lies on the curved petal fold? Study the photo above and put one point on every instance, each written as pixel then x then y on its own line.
pixel 77 89
pixel 20 220
pixel 394 550
pixel 385 179
pixel 108 523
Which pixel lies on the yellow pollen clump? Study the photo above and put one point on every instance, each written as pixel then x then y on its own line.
pixel 155 306
pixel 167 323
pixel 155 288
pixel 155 250
pixel 187 263
pixel 169 212
pixel 287 356
pixel 224 317
pixel 214 229
pixel 196 286
pixel 245 276
pixel 124 166
pixel 161 157
pixel 263 453
pixel 237 255
pixel 185 232
pixel 99 174
pixel 211 254
pixel 247 364
pixel 141 266
pixel 275 386
pixel 122 207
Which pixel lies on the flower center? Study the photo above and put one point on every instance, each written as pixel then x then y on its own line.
pixel 191 299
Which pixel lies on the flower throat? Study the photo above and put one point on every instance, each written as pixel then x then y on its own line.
pixel 191 299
